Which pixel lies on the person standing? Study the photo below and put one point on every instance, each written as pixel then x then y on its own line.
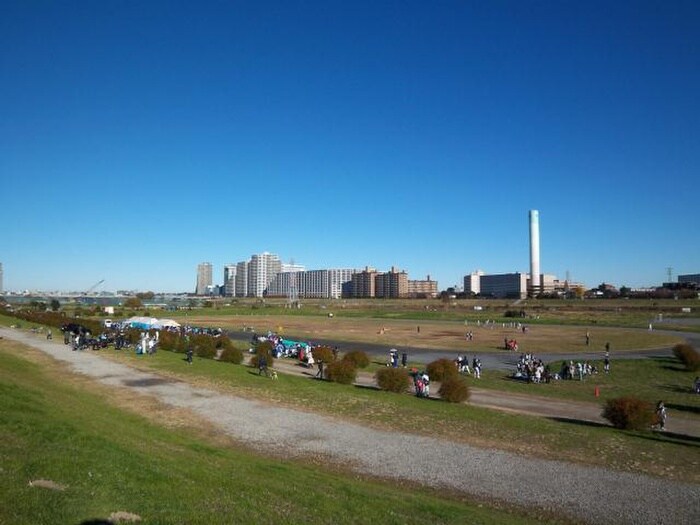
pixel 189 355
pixel 404 359
pixel 661 415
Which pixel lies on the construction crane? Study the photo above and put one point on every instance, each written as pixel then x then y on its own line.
pixel 94 286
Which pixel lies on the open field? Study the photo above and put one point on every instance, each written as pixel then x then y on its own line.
pixel 632 313
pixel 444 335
pixel 104 453
pixel 657 454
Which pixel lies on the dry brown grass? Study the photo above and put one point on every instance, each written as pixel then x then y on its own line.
pixel 445 335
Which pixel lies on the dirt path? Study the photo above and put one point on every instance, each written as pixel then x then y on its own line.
pixel 590 494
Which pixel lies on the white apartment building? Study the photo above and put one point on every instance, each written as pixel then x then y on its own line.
pixel 262 269
pixel 321 284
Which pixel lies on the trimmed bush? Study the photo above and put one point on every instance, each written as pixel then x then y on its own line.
pixel 688 356
pixel 629 413
pixel 454 390
pixel 343 372
pixel 203 346
pixel 323 353
pixel 393 379
pixel 263 348
pixel 442 370
pixel 168 340
pixel 358 358
pixel 231 355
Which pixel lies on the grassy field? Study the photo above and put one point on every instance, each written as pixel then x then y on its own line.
pixel 445 335
pixel 649 379
pixel 631 313
pixel 657 454
pixel 107 459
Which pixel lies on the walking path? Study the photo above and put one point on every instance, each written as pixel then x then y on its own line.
pixel 591 494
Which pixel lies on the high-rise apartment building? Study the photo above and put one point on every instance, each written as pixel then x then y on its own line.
pixel 392 284
pixel 363 283
pixel 241 279
pixel 230 280
pixel 204 278
pixel 261 271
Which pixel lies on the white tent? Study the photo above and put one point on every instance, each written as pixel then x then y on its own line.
pixel 165 323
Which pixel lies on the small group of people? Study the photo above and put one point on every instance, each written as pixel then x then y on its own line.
pixel 394 358
pixel 510 344
pixel 462 363
pixel 578 370
pixel 421 383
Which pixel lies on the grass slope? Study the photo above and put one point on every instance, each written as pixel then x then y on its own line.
pixel 660 455
pixel 111 460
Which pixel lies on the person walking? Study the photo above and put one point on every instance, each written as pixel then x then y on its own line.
pixel 661 415
pixel 189 355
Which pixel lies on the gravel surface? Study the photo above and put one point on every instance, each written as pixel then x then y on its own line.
pixel 590 494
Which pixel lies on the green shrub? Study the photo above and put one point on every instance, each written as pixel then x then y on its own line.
pixel 323 353
pixel 263 348
pixel 454 390
pixel 358 358
pixel 343 372
pixel 442 370
pixel 688 356
pixel 231 355
pixel 203 346
pixel 629 412
pixel 393 379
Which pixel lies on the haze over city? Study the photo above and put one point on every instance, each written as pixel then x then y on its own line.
pixel 140 139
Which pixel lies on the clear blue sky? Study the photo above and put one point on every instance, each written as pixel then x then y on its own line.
pixel 138 139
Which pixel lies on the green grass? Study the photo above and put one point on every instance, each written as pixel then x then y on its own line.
pixel 660 455
pixel 650 379
pixel 111 460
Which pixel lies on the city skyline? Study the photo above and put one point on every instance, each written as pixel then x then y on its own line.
pixel 138 140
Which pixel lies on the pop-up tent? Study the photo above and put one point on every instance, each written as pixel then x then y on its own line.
pixel 165 323
pixel 142 323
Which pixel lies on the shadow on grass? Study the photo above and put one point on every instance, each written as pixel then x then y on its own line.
pixel 669 363
pixel 683 408
pixel 670 437
pixel 579 422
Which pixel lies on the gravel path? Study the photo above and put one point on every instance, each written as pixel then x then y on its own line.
pixel 590 494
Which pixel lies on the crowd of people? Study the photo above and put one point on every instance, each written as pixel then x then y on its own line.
pixel 534 370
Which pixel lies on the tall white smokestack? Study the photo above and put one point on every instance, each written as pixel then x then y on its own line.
pixel 535 252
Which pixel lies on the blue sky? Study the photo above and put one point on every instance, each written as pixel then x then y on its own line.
pixel 138 139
